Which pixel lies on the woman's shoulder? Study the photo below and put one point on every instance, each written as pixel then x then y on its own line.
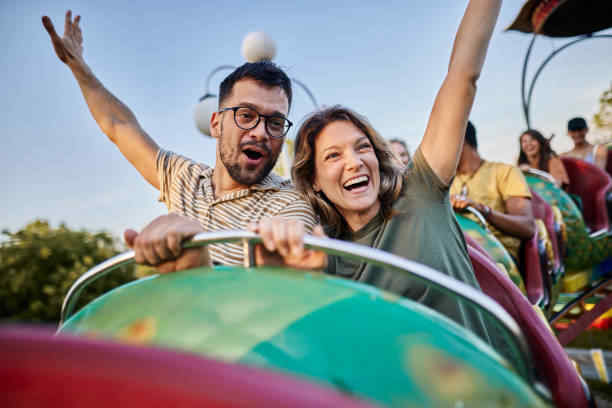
pixel 554 158
pixel 555 164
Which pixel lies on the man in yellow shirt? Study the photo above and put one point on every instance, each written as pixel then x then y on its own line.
pixel 499 191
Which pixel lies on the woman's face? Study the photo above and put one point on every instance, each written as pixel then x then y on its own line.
pixel 346 170
pixel 529 145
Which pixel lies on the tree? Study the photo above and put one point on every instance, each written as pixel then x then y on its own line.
pixel 38 264
pixel 603 118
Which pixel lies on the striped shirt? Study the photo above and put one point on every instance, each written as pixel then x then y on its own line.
pixel 186 188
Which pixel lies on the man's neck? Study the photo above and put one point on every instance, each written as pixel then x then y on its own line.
pixel 581 145
pixel 470 163
pixel 223 183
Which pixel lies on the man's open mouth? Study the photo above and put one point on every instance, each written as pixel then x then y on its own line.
pixel 357 182
pixel 252 154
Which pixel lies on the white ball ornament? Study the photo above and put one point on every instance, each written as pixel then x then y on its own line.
pixel 202 113
pixel 258 46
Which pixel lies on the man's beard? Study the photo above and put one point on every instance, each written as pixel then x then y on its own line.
pixel 243 175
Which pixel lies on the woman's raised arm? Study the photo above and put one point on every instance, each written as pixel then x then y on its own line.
pixel 445 131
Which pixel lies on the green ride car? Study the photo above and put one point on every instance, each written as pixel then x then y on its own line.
pixel 334 332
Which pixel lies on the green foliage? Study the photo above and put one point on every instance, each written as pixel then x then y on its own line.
pixel 603 118
pixel 38 264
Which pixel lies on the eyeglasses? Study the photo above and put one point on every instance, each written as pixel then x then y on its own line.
pixel 247 118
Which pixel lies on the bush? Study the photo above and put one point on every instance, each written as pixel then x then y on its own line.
pixel 38 264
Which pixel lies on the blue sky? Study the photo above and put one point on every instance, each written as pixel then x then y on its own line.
pixel 384 59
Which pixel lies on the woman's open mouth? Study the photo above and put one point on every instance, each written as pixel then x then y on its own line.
pixel 357 184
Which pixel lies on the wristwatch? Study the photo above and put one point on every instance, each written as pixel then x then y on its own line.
pixel 486 210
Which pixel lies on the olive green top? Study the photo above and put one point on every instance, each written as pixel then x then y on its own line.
pixel 423 228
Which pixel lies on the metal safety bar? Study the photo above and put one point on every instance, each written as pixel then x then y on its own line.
pixel 542 174
pixel 332 247
pixel 478 214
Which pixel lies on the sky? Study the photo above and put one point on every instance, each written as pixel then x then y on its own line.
pixel 386 60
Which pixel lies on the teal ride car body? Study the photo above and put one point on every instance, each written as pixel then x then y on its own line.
pixel 583 250
pixel 350 336
pixel 493 246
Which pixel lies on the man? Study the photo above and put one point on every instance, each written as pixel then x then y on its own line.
pixel 499 191
pixel 577 130
pixel 401 151
pixel 250 127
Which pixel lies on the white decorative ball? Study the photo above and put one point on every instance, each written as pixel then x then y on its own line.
pixel 202 113
pixel 258 46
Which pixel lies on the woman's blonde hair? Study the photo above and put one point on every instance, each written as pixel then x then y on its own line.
pixel 303 170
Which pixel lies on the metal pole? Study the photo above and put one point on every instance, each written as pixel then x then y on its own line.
pixel 523 76
pixel 527 101
pixel 310 95
pixel 212 73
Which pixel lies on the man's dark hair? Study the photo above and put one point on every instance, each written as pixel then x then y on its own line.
pixel 266 72
pixel 470 135
pixel 576 124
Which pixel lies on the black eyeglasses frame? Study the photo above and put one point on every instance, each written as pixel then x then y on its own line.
pixel 259 116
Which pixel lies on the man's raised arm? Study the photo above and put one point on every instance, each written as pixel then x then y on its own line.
pixel 114 118
pixel 443 138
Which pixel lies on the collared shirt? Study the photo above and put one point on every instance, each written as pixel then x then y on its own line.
pixel 186 188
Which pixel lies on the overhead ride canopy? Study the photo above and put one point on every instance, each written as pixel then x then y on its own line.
pixel 563 18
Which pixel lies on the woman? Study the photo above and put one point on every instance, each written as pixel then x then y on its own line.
pixel 348 173
pixel 536 153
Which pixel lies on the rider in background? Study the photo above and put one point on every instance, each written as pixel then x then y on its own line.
pixel 400 150
pixel 536 153
pixel 498 190
pixel 577 129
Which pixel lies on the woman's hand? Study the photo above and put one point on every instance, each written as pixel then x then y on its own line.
pixel 283 244
pixel 451 110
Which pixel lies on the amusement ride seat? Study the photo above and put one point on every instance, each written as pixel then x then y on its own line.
pixel 533 270
pixel 550 360
pixel 592 185
pixel 551 259
pixel 543 211
pixel 609 162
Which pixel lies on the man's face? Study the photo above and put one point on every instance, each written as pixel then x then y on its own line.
pixel 578 136
pixel 249 155
pixel 400 151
